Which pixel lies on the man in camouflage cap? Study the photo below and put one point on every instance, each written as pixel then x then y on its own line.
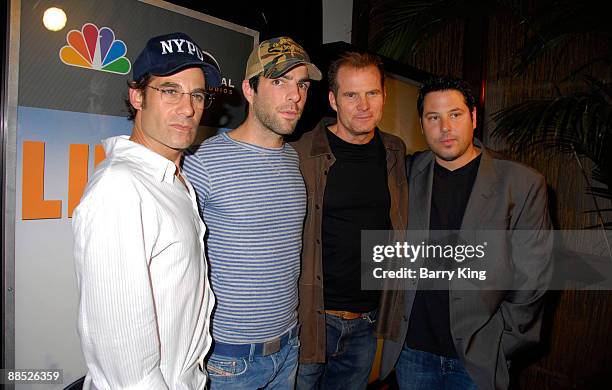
pixel 253 200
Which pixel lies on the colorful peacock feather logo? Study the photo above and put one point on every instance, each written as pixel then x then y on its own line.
pixel 95 48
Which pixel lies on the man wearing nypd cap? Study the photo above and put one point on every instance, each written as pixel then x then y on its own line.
pixel 145 300
pixel 253 200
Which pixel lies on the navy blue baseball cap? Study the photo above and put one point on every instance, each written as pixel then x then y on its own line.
pixel 167 54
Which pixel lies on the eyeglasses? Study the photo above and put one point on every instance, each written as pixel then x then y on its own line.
pixel 174 95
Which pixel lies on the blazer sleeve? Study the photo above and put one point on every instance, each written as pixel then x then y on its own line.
pixel 532 247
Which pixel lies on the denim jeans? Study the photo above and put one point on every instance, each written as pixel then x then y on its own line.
pixel 271 372
pixel 351 346
pixel 419 370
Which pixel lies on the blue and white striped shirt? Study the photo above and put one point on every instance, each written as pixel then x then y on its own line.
pixel 253 202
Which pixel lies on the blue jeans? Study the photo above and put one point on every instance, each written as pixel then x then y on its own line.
pixel 351 346
pixel 419 370
pixel 275 371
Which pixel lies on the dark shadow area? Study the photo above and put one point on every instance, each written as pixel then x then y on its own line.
pixel 524 360
pixel 76 385
pixel 389 383
pixel 222 112
pixel 3 85
pixel 271 18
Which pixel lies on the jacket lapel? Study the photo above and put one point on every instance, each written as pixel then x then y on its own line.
pixel 421 180
pixel 483 192
pixel 320 145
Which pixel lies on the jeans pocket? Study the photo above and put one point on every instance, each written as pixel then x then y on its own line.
pixel 294 342
pixel 221 366
pixel 371 317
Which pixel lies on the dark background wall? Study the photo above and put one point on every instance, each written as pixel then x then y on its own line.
pixel 578 339
pixel 271 18
pixel 576 352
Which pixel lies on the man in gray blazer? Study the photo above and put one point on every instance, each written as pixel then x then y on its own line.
pixel 449 337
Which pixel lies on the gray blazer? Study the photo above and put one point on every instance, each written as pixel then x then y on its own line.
pixel 490 325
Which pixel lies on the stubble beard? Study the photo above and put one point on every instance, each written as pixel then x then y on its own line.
pixel 453 155
pixel 274 123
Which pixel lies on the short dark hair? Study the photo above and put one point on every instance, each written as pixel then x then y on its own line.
pixel 356 60
pixel 446 84
pixel 140 85
pixel 254 82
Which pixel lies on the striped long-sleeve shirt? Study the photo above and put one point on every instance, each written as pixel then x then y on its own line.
pixel 253 201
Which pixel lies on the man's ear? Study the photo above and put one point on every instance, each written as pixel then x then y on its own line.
pixel 332 101
pixel 474 116
pixel 136 98
pixel 247 91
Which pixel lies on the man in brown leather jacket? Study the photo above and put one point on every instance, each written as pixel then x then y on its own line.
pixel 355 178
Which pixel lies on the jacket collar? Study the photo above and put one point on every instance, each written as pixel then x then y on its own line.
pixel 484 187
pixel 486 160
pixel 320 144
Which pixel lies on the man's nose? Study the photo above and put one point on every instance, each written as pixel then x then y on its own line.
pixel 363 104
pixel 186 105
pixel 293 94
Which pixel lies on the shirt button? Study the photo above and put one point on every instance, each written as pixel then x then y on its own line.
pixel 317 206
pixel 318 241
pixel 329 156
pixel 325 172
pixel 318 277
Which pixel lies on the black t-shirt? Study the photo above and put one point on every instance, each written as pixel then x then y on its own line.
pixel 356 198
pixel 429 328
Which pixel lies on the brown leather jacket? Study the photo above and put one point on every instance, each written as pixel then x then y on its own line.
pixel 315 159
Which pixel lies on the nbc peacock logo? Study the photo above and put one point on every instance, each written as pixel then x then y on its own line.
pixel 96 49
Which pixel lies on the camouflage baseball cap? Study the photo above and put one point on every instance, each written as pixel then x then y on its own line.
pixel 275 57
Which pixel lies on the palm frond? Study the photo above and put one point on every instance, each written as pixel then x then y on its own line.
pixel 593 211
pixel 605 225
pixel 406 25
pixel 556 24
pixel 579 122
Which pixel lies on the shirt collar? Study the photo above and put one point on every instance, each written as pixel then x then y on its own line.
pixel 151 162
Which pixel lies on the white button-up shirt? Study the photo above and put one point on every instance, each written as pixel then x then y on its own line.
pixel 145 299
